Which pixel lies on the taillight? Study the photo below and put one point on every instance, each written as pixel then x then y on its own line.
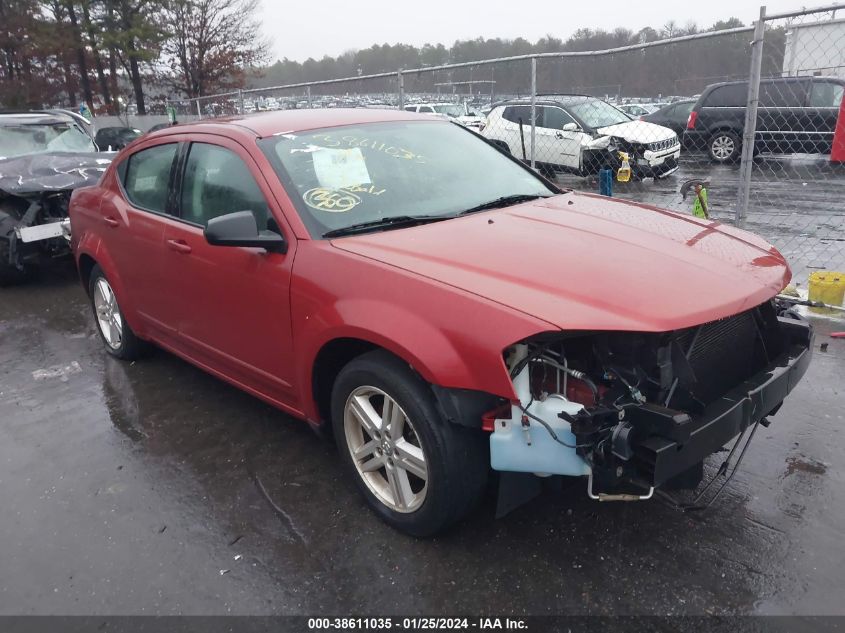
pixel 693 117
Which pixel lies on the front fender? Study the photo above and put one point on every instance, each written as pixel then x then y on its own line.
pixel 452 338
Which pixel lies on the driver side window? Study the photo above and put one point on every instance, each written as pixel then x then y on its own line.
pixel 217 182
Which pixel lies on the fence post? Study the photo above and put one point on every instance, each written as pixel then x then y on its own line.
pixel 750 131
pixel 308 95
pixel 199 109
pixel 240 101
pixel 533 107
pixel 400 84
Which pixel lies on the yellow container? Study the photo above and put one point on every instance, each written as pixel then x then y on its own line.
pixel 623 174
pixel 827 287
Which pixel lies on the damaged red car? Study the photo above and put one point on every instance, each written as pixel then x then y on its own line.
pixel 441 307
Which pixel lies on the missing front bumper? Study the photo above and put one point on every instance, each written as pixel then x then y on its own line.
pixel 659 458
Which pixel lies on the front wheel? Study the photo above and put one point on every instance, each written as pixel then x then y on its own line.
pixel 724 147
pixel 417 471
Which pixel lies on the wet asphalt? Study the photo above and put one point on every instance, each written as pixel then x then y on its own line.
pixel 154 488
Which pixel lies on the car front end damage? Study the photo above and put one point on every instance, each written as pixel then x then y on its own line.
pixel 635 412
pixel 34 194
pixel 648 158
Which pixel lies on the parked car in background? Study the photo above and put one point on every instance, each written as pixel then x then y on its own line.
pixel 456 111
pixel 794 115
pixel 580 134
pixel 160 126
pixel 43 156
pixel 634 110
pixel 674 116
pixel 438 305
pixel 115 138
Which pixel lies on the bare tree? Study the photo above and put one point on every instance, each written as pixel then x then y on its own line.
pixel 212 45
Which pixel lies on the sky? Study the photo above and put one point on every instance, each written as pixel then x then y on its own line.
pixel 298 30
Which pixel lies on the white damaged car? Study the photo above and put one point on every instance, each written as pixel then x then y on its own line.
pixel 580 134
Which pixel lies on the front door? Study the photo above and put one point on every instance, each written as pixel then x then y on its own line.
pixel 555 145
pixel 231 305
pixel 822 114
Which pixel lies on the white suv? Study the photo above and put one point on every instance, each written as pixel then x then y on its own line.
pixel 580 134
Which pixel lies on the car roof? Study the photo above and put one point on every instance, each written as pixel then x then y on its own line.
pixel 563 99
pixel 796 78
pixel 31 118
pixel 265 124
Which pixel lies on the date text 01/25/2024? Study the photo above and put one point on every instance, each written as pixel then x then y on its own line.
pixel 416 624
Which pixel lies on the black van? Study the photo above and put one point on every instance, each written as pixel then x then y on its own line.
pixel 795 114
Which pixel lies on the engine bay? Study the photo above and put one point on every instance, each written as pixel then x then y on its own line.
pixel 636 410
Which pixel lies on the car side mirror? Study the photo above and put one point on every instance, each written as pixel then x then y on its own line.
pixel 240 229
pixel 570 127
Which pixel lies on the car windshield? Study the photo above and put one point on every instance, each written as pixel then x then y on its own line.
pixel 344 176
pixel 18 140
pixel 453 110
pixel 597 114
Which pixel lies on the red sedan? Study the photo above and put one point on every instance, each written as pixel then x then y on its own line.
pixel 442 307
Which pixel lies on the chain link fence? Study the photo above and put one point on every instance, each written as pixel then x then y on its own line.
pixel 748 113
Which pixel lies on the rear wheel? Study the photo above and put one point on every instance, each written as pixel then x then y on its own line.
pixel 724 147
pixel 119 339
pixel 418 472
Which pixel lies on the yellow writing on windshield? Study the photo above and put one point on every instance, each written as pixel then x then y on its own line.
pixel 331 200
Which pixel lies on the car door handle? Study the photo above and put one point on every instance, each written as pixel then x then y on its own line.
pixel 111 221
pixel 559 135
pixel 180 246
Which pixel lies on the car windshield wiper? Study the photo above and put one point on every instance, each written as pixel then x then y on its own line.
pixel 385 223
pixel 504 201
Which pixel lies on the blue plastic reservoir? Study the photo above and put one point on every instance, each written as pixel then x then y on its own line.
pixel 514 450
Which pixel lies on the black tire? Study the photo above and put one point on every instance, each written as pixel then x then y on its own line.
pixel 129 347
pixel 502 146
pixel 9 273
pixel 724 147
pixel 456 458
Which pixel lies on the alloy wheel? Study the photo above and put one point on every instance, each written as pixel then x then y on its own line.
pixel 385 449
pixel 108 315
pixel 723 147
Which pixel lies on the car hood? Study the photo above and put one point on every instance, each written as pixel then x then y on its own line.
pixel 584 262
pixel 52 171
pixel 638 132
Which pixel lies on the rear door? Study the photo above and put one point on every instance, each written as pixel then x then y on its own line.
pixel 781 124
pixel 825 97
pixel 231 305
pixel 514 127
pixel 134 219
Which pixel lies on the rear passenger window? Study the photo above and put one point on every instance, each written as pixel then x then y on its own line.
pixel 782 94
pixel 826 95
pixel 217 182
pixel 515 113
pixel 730 96
pixel 147 177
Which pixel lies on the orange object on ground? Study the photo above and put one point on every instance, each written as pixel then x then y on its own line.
pixel 837 334
pixel 837 152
